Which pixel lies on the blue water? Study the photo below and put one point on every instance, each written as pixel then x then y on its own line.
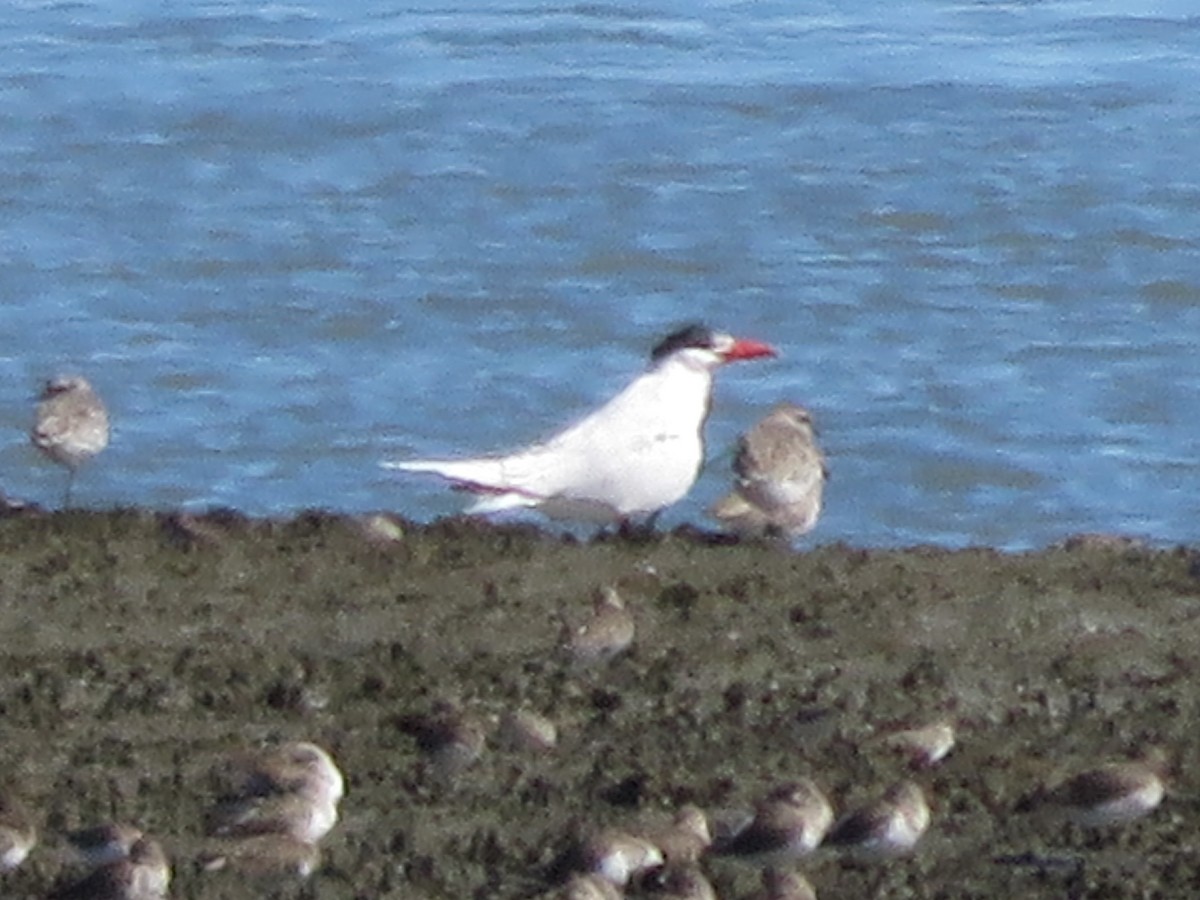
pixel 287 241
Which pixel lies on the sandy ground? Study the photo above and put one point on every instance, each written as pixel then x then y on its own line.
pixel 141 648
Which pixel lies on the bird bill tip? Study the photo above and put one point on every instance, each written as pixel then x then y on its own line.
pixel 403 465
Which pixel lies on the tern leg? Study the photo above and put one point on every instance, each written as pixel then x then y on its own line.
pixel 630 530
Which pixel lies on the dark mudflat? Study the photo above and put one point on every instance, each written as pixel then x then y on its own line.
pixel 139 647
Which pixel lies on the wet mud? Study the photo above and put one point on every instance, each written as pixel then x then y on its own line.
pixel 138 648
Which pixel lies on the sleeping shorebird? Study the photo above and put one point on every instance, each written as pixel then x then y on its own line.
pixel 1109 794
pixel 293 789
pixel 298 767
pixel 144 874
pixel 301 818
pixel 638 453
pixel 99 845
pixel 71 425
pixel 788 823
pixel 926 745
pixel 785 884
pixel 618 856
pixel 18 834
pixel 887 827
pixel 780 476
pixel 607 634
pixel 684 841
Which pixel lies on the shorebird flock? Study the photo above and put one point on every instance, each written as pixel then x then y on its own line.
pixel 795 822
pixel 275 806
pixel 790 826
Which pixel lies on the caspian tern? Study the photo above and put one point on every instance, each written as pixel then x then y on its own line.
pixel 635 455
pixel 780 473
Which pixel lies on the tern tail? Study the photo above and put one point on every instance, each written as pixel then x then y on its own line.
pixel 478 476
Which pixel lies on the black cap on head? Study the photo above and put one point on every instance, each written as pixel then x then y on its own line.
pixel 694 335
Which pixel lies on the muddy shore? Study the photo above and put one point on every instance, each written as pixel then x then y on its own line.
pixel 139 648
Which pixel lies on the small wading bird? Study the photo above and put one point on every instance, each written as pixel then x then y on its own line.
pixel 71 425
pixel 788 823
pixel 783 884
pixel 297 767
pixel 102 844
pixel 635 455
pixel 618 856
pixel 780 475
pixel 1111 794
pixel 18 834
pixel 606 634
pixel 887 827
pixel 144 874
pixel 293 789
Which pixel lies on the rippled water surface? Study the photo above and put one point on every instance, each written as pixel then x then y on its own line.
pixel 287 241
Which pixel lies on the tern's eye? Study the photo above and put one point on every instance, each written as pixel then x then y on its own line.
pixel 722 343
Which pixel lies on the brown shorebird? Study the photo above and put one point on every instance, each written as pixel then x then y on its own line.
pixel 99 845
pixel 789 822
pixel 618 856
pixel 785 884
pixel 1110 794
pixel 780 477
pixel 295 767
pixel 71 424
pixel 144 874
pixel 887 827
pixel 18 834
pixel 607 634
pixel 293 789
